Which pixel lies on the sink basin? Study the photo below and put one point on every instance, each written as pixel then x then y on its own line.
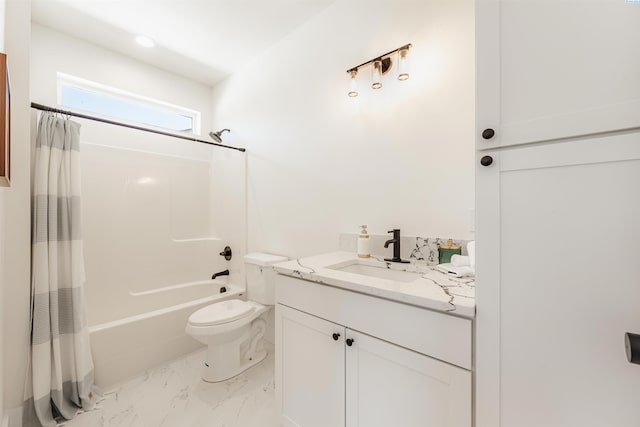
pixel 377 272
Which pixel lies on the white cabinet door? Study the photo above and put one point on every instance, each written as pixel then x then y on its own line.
pixel 558 284
pixel 309 369
pixel 389 385
pixel 551 69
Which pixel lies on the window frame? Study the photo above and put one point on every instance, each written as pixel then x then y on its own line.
pixel 83 84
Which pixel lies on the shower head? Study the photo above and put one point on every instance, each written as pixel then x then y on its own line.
pixel 217 136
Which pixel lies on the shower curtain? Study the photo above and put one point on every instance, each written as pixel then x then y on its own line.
pixel 60 378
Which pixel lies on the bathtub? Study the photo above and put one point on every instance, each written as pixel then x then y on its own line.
pixel 128 346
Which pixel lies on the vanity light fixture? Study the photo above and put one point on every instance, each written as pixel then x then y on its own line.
pixel 376 75
pixel 403 72
pixel 353 83
pixel 379 67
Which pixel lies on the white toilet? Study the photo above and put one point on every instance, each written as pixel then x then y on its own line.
pixel 231 329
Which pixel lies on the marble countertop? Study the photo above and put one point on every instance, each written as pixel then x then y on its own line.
pixel 431 288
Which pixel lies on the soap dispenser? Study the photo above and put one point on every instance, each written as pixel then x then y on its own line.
pixel 364 243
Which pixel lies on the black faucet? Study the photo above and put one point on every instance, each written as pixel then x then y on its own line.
pixel 220 273
pixel 396 246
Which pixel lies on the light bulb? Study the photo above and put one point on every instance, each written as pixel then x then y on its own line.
pixel 377 72
pixel 353 84
pixel 403 71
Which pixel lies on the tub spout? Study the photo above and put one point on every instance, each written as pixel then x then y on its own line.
pixel 220 273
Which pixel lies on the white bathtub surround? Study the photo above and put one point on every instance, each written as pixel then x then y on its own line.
pixel 429 289
pixel 421 250
pixel 173 395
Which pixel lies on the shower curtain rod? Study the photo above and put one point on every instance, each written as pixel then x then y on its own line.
pixel 112 122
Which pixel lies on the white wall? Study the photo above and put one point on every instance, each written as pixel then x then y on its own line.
pixel 3 7
pixel 321 163
pixel 15 209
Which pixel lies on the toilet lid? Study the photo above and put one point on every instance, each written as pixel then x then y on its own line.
pixel 221 312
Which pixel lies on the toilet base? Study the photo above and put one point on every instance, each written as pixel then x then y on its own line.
pixel 224 361
pixel 212 377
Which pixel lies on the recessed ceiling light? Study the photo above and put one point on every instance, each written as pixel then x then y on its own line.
pixel 145 41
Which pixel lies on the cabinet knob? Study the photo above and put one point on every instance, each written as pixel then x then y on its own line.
pixel 336 336
pixel 486 161
pixel 632 346
pixel 488 133
pixel 349 341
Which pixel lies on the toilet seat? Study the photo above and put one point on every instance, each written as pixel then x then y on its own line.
pixel 221 312
pixel 254 311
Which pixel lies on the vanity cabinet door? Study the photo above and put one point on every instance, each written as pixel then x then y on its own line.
pixel 309 369
pixel 388 385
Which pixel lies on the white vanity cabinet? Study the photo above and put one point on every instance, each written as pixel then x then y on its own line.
pixel 337 365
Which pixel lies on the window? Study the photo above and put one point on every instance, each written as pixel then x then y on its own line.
pixel 78 94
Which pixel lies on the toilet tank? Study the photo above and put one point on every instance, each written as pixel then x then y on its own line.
pixel 260 276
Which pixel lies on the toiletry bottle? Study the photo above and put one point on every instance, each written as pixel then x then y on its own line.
pixel 364 243
pixel 446 251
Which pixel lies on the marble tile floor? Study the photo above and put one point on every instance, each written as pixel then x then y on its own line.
pixel 174 395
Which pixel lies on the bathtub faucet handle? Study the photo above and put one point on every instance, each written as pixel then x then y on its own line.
pixel 226 253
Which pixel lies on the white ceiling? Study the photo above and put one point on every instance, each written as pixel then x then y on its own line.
pixel 205 40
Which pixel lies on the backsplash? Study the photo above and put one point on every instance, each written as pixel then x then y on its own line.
pixel 418 250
